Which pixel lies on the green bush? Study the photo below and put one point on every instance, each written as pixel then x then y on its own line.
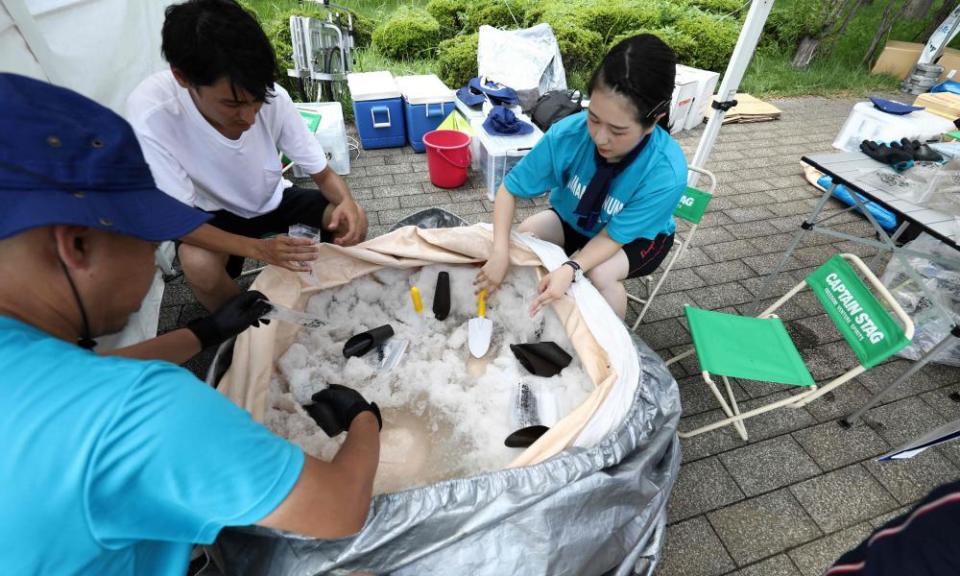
pixel 718 6
pixel 681 43
pixel 581 49
pixel 362 30
pixel 450 14
pixel 409 33
pixel 790 22
pixel 504 14
pixel 457 60
pixel 610 19
pixel 714 40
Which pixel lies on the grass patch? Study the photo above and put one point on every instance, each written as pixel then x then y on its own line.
pixel 771 75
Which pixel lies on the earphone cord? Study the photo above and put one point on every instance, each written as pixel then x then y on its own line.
pixel 84 341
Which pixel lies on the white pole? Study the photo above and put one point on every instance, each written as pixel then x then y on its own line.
pixel 33 38
pixel 746 44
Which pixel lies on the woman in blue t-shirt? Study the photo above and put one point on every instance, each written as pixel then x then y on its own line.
pixel 614 176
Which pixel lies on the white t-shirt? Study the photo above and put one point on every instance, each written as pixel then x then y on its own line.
pixel 201 167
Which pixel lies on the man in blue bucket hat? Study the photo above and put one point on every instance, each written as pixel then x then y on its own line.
pixel 113 465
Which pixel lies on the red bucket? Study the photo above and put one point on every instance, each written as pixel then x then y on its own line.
pixel 448 157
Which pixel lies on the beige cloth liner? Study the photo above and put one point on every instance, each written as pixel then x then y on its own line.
pixel 256 350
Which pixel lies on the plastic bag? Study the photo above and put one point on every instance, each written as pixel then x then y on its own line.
pixel 527 60
pixel 941 280
pixel 913 185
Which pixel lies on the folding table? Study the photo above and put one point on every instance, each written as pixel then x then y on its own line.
pixel 849 169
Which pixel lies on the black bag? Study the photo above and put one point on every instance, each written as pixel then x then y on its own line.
pixel 554 106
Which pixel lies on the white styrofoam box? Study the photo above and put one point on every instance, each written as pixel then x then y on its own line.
pixel 469 113
pixel 424 89
pixel 706 85
pixel 498 154
pixel 684 94
pixel 332 135
pixel 866 122
pixel 372 86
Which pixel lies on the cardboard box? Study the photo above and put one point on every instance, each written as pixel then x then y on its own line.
pixel 898 58
pixel 943 104
pixel 706 85
pixel 684 93
pixel 950 60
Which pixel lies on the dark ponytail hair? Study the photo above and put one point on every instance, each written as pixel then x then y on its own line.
pixel 642 69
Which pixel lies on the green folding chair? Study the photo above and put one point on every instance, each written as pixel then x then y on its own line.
pixel 693 205
pixel 733 346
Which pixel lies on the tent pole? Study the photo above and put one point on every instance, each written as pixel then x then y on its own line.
pixel 32 36
pixel 742 53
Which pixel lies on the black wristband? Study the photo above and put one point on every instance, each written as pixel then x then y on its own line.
pixel 205 331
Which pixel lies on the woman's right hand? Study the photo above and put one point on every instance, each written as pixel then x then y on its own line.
pixel 492 273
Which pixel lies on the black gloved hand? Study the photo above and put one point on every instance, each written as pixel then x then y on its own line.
pixel 886 154
pixel 239 313
pixel 918 152
pixel 335 407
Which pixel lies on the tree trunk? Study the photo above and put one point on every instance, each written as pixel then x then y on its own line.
pixel 938 18
pixel 885 25
pixel 808 46
pixel 917 9
pixel 805 52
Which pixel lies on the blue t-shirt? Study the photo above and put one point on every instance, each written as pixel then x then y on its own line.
pixel 115 466
pixel 641 199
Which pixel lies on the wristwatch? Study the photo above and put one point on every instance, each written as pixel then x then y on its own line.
pixel 577 270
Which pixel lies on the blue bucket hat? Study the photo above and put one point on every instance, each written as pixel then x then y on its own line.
pixel 470 98
pixel 64 159
pixel 497 93
pixel 502 121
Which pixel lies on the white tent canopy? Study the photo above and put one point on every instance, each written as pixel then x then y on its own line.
pixel 100 48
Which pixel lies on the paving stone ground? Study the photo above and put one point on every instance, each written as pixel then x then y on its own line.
pixel 802 490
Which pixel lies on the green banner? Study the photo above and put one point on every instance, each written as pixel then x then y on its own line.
pixel 867 327
pixel 693 205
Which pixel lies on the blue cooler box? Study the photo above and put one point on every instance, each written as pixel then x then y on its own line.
pixel 377 109
pixel 426 102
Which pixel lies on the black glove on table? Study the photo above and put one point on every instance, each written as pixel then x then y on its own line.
pixel 918 152
pixel 335 407
pixel 239 313
pixel 886 154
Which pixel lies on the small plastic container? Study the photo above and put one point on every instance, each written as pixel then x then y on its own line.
pixel 326 119
pixel 499 154
pixel 377 109
pixel 426 103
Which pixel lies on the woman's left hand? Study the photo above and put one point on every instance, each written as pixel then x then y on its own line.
pixel 552 286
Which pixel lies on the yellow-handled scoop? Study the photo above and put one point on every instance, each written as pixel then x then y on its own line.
pixel 480 329
pixel 417 301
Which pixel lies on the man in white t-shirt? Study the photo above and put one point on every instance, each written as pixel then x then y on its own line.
pixel 211 129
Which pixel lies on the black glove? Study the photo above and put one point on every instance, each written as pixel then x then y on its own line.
pixel 238 314
pixel 886 154
pixel 918 152
pixel 335 407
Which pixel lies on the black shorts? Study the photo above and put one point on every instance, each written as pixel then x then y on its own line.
pixel 643 255
pixel 298 206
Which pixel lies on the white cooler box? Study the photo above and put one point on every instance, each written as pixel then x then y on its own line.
pixel 498 154
pixel 866 122
pixel 331 132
